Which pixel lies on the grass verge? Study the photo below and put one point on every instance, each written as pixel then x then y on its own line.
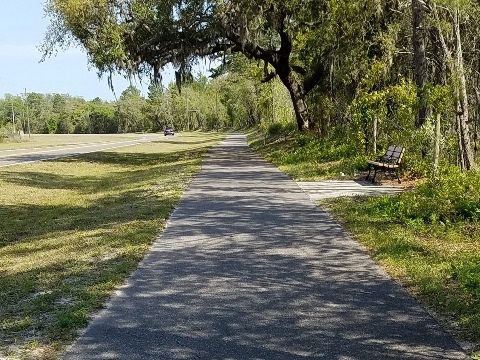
pixel 48 140
pixel 73 229
pixel 305 157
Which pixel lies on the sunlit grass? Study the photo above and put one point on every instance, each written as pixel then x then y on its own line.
pixel 74 228
pixel 46 140
pixel 300 163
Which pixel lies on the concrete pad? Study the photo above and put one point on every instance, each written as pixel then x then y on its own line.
pixel 318 190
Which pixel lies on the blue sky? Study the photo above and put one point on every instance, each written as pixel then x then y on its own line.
pixel 22 28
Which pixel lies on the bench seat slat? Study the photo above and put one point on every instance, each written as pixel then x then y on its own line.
pixel 386 165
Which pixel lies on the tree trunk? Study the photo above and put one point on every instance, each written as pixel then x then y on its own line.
pixel 456 62
pixel 420 58
pixel 476 118
pixel 462 110
pixel 298 95
pixel 436 152
pixel 439 56
pixel 461 153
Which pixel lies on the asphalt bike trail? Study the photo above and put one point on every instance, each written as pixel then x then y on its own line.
pixel 249 267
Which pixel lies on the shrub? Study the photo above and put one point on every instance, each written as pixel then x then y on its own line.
pixel 274 129
pixel 452 196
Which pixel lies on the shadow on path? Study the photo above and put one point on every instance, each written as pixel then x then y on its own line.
pixel 249 268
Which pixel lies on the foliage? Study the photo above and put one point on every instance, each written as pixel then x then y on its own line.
pixel 141 37
pixel 451 197
pixel 57 113
pixel 130 112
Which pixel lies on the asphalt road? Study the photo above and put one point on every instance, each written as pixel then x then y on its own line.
pixel 24 156
pixel 249 268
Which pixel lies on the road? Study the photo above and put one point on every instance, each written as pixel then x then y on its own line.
pixel 24 156
pixel 249 268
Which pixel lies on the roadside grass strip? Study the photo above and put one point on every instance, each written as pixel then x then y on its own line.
pixel 73 229
pixel 36 141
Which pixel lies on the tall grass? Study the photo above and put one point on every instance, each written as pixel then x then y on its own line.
pixel 306 157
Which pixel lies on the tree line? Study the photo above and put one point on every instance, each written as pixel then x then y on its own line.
pixel 132 112
pixel 233 100
pixel 376 71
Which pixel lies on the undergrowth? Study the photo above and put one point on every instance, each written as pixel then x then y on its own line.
pixel 308 157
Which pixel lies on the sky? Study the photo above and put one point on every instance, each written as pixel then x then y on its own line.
pixel 23 25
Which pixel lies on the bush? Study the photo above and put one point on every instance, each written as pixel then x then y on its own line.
pixel 453 196
pixel 282 129
pixel 6 132
pixel 354 164
pixel 274 129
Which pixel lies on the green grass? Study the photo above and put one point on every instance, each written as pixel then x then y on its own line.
pixel 438 263
pixel 47 140
pixel 73 229
pixel 307 158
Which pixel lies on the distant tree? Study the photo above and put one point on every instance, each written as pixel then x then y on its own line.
pixel 130 111
pixel 102 118
pixel 39 111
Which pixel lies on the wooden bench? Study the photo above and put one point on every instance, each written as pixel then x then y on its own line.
pixel 387 163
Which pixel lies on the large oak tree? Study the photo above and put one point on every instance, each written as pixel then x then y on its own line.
pixel 140 37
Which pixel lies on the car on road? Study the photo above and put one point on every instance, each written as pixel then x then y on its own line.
pixel 168 131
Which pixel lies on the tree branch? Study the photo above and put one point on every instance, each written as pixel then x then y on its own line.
pixel 299 69
pixel 269 77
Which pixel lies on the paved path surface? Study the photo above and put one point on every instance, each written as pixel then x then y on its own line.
pixel 249 268
pixel 318 190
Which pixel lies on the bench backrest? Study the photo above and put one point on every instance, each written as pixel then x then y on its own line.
pixel 393 155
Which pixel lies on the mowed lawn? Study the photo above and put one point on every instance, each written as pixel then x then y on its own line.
pixel 73 229
pixel 48 140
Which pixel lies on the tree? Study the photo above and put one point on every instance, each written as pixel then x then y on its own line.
pixel 129 112
pixel 141 37
pixel 39 111
pixel 420 56
pixel 455 61
pixel 157 107
pixel 102 118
